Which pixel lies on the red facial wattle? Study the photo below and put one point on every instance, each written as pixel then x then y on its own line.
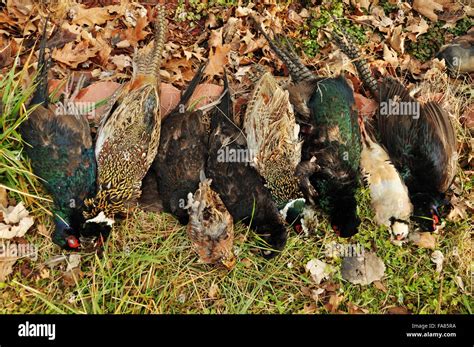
pixel 298 228
pixel 435 221
pixel 72 242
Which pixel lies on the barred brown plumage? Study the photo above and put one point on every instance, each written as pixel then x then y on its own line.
pixel 272 137
pixel 128 138
pixel 331 149
pixel 210 226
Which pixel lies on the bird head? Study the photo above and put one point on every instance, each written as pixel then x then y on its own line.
pixel 428 210
pixel 399 228
pixel 64 235
pixel 292 213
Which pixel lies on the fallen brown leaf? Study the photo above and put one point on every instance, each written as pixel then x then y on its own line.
pixel 390 56
pixel 310 308
pixel 218 58
pixel 136 34
pixel 204 94
pixel 121 61
pixel 380 286
pixel 213 291
pixel 366 107
pixel 427 8
pixel 423 240
pixel 354 309
pixel 3 197
pixel 334 302
pixel 72 55
pixel 169 98
pixel 89 16
pixel 96 92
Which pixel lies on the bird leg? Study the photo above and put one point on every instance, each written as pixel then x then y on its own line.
pixel 303 172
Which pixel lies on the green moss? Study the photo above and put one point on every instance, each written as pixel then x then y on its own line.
pixel 462 26
pixel 320 20
pixel 197 10
pixel 429 44
pixel 387 6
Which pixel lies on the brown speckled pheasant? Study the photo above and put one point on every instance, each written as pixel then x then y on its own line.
pixel 210 227
pixel 128 138
pixel 272 137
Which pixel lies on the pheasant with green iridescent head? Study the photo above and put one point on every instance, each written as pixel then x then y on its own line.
pixel 325 110
pixel 59 146
pixel 421 143
pixel 128 138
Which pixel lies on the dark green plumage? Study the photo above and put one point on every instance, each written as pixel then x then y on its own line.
pixel 331 150
pixel 61 151
pixel 421 142
pixel 332 104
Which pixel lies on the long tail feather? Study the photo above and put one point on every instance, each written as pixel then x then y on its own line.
pixel 160 33
pixel 41 93
pixel 150 63
pixel 348 47
pixel 192 86
pixel 298 71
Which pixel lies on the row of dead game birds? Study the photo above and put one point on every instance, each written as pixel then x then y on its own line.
pixel 305 142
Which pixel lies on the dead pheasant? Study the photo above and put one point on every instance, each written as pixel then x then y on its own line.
pixel 210 226
pixel 182 154
pixel 272 138
pixel 128 137
pixel 60 148
pixel 239 185
pixel 421 143
pixel 388 193
pixel 331 148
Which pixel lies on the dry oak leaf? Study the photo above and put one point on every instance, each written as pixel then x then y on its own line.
pixel 417 27
pixel 90 16
pixel 136 34
pixel 427 8
pixel 397 40
pixel 72 55
pixel 218 58
pixel 121 61
pixel 215 38
pixel 390 56
pixel 366 107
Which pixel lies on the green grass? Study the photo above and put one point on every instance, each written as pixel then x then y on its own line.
pixel 15 170
pixel 148 267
